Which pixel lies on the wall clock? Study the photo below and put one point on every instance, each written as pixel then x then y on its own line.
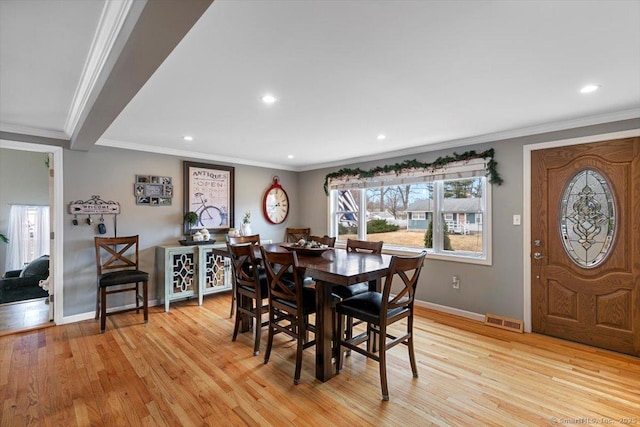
pixel 275 205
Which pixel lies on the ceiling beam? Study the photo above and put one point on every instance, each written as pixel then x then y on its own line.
pixel 150 33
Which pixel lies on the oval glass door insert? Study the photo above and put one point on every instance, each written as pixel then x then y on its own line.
pixel 587 218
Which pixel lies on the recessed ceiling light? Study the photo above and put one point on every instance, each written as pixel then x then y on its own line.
pixel 269 99
pixel 382 136
pixel 187 138
pixel 589 88
pixel 290 156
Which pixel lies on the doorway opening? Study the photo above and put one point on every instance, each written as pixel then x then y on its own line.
pixel 29 314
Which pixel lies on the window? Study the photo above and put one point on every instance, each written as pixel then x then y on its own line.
pixel 28 235
pixel 447 216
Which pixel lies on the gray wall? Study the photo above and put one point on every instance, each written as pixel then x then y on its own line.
pixel 110 173
pixel 494 289
pixel 24 179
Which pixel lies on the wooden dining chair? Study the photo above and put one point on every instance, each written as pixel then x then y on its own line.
pixel 380 310
pixel 249 283
pixel 118 264
pixel 292 235
pixel 324 240
pixel 238 240
pixel 290 303
pixel 344 292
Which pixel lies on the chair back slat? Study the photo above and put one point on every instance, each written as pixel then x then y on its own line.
pixel 278 265
pixel 116 253
pixel 364 246
pixel 238 240
pixel 245 267
pixel 292 235
pixel 407 269
pixel 324 240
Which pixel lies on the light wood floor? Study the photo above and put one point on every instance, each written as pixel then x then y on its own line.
pixel 182 369
pixel 23 315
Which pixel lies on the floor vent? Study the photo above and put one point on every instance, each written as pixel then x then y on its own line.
pixel 503 322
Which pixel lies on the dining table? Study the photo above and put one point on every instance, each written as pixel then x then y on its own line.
pixel 330 268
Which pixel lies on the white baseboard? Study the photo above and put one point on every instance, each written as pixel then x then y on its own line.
pixel 437 307
pixel 92 314
pixel 451 310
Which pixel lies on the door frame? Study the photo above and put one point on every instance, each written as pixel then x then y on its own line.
pixel 526 203
pixel 57 214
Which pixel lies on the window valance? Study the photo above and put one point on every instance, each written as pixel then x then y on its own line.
pixel 465 165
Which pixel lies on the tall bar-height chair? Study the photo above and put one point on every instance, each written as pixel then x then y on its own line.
pixel 292 235
pixel 118 263
pixel 238 240
pixel 290 303
pixel 380 310
pixel 249 283
pixel 344 292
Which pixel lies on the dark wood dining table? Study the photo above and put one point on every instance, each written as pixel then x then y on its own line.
pixel 333 267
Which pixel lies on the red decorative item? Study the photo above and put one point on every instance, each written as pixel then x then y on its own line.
pixel 275 204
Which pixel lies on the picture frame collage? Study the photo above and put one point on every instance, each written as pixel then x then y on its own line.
pixel 153 190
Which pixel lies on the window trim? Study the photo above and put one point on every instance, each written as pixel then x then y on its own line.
pixel 436 253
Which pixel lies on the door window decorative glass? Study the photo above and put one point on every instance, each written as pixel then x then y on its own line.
pixel 587 218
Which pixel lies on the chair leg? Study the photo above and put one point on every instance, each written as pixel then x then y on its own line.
pixel 145 301
pixel 98 302
pixel 349 331
pixel 383 364
pixel 299 347
pixel 267 352
pixel 337 347
pixel 236 326
pixel 233 299
pixel 103 309
pixel 412 355
pixel 257 329
pixel 137 297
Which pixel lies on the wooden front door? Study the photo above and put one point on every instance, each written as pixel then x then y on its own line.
pixel 585 248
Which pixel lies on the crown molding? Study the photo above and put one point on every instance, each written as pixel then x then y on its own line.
pixel 188 153
pixel 491 137
pixel 34 131
pixel 111 20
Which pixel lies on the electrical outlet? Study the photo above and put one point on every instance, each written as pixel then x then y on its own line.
pixel 455 282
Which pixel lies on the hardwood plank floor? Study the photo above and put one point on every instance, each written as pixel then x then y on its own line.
pixel 23 315
pixel 182 369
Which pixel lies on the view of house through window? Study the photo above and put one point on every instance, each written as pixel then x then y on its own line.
pixel 444 216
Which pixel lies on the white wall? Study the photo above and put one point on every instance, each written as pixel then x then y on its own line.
pixel 24 179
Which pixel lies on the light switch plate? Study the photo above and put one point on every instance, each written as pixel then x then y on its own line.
pixel 516 219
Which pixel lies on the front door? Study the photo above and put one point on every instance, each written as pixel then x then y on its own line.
pixel 585 248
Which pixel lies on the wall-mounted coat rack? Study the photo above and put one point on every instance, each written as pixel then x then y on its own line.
pixel 95 206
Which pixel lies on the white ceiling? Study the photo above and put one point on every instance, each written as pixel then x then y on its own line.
pixel 427 74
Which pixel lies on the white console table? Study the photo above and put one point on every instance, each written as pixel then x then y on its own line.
pixel 186 271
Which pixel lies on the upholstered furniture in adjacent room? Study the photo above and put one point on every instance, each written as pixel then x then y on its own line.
pixel 19 285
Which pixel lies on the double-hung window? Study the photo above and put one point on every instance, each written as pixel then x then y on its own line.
pixel 445 211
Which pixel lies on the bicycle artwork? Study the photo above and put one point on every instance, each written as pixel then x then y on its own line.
pixel 209 193
pixel 209 216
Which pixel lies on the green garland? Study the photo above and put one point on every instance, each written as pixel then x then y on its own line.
pixel 439 163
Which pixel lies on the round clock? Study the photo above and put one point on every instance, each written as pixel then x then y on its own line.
pixel 275 205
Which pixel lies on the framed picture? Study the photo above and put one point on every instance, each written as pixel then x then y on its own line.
pixel 152 190
pixel 208 191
